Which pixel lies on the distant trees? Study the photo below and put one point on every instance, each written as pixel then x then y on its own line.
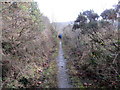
pixel 117 8
pixel 86 21
pixel 80 21
pixel 109 14
pixel 81 18
pixel 91 15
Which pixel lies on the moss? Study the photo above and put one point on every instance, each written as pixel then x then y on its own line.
pixel 24 8
pixel 49 76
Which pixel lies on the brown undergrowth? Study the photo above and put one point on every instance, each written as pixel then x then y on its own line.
pixel 29 47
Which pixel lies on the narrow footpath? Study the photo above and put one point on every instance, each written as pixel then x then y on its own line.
pixel 62 76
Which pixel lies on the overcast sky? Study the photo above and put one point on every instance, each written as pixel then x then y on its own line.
pixel 68 10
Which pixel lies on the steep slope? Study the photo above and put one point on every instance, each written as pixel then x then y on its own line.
pixel 93 57
pixel 29 47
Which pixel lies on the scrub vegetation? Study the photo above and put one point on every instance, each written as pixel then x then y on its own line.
pixel 29 47
pixel 92 48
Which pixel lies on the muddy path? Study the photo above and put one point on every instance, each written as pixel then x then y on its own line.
pixel 62 76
